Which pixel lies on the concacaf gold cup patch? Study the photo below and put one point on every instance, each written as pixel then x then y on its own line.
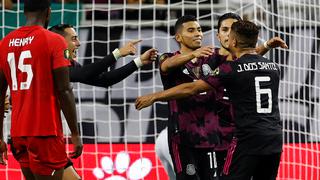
pixel 66 54
pixel 216 71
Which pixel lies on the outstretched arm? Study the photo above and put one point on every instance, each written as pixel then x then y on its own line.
pixel 114 76
pixel 86 72
pixel 109 78
pixel 271 43
pixel 178 92
pixel 170 63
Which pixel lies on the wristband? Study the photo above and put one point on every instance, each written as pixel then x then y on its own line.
pixel 138 62
pixel 116 53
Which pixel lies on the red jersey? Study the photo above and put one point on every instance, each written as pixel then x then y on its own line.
pixel 28 57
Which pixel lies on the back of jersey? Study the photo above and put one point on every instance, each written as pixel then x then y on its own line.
pixel 254 84
pixel 28 57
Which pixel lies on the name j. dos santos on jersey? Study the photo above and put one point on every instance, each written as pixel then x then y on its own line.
pixel 252 66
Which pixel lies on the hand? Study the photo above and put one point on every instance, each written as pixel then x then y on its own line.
pixel 277 42
pixel 77 146
pixel 144 101
pixel 129 48
pixel 149 56
pixel 205 51
pixel 3 153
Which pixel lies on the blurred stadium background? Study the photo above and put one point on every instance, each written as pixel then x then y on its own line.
pixel 119 141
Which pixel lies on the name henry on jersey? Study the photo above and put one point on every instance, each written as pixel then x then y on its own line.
pixel 257 66
pixel 20 41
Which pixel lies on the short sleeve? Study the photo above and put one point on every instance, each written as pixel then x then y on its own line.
pixel 162 58
pixel 60 52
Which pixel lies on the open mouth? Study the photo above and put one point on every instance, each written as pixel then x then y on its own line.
pixel 74 54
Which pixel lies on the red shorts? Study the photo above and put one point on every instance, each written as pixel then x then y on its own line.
pixel 43 155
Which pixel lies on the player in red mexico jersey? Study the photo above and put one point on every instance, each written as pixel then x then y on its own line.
pixel 33 62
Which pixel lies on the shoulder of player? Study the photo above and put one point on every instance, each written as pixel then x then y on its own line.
pixel 74 64
pixel 164 56
pixel 53 36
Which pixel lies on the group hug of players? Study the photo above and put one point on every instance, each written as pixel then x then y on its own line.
pixel 223 120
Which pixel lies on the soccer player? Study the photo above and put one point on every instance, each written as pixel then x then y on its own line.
pixel 96 73
pixel 221 106
pixel 252 82
pixel 33 62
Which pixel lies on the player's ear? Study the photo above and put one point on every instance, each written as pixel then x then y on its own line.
pixel 234 42
pixel 178 37
pixel 48 14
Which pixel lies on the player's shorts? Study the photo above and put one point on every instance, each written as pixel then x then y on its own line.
pixel 69 163
pixel 196 163
pixel 43 155
pixel 240 165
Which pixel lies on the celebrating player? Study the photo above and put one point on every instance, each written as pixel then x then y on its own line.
pixel 33 62
pixel 256 147
pixel 221 106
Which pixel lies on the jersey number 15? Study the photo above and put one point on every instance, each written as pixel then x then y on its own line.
pixel 25 68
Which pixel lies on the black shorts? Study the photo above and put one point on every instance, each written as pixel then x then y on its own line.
pixel 240 165
pixel 196 163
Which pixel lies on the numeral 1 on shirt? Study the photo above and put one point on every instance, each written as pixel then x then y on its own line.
pixel 25 68
pixel 260 91
pixel 212 160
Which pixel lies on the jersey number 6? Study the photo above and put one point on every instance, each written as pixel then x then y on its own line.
pixel 23 68
pixel 260 91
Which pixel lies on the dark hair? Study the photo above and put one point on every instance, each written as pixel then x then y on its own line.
pixel 225 16
pixel 183 19
pixel 59 28
pixel 36 5
pixel 246 33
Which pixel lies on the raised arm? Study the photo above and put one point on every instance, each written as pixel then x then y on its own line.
pixel 178 92
pixel 271 43
pixel 3 145
pixel 114 76
pixel 169 63
pixel 86 72
pixel 68 107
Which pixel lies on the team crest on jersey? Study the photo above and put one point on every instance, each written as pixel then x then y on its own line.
pixel 206 70
pixel 185 71
pixel 190 170
pixel 66 54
